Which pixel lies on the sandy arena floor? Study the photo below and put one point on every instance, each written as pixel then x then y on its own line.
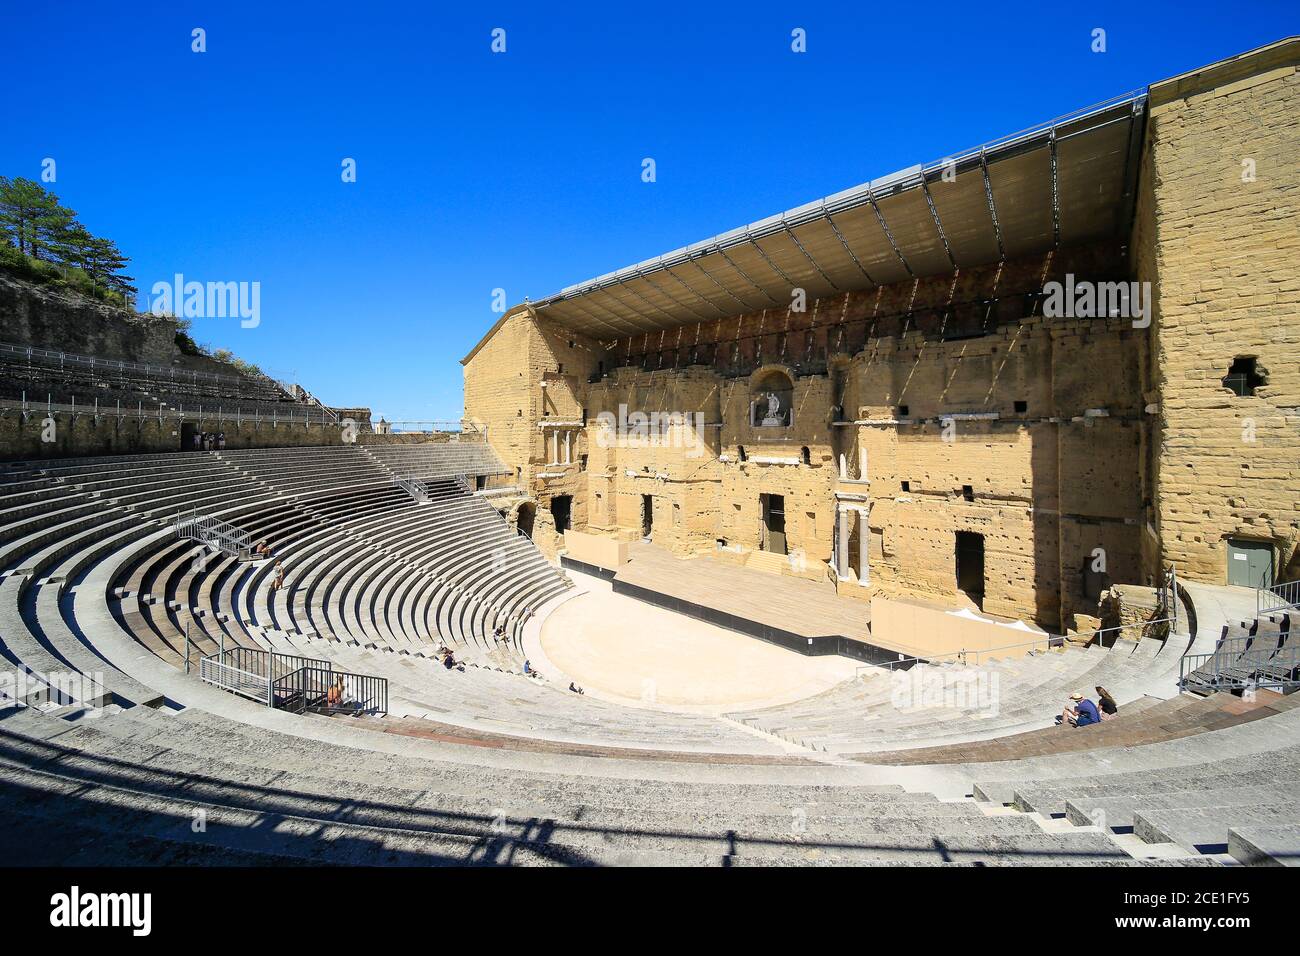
pixel 624 650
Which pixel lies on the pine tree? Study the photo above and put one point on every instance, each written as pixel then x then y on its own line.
pixel 23 205
pixel 38 225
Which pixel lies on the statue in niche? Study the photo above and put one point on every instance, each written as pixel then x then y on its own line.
pixel 774 414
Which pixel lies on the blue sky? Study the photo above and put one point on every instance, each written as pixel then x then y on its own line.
pixel 520 170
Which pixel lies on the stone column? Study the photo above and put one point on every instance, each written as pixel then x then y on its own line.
pixel 864 547
pixel 568 447
pixel 842 549
pixel 555 446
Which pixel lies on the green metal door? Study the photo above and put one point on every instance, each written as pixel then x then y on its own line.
pixel 1250 563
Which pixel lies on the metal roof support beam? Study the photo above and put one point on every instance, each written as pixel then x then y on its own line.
pixel 625 288
pixel 871 197
pixel 695 261
pixel 772 265
pixel 618 332
pixel 840 236
pixel 758 288
pixel 1133 163
pixel 993 208
pixel 634 321
pixel 672 298
pixel 711 304
pixel 1003 147
pixel 1056 194
pixel 929 201
pixel 795 240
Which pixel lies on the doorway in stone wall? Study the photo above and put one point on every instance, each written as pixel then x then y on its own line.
pixel 524 518
pixel 188 431
pixel 774 523
pixel 970 566
pixel 647 515
pixel 561 510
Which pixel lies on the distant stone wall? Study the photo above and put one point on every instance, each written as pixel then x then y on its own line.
pixel 359 415
pixel 401 438
pixel 84 435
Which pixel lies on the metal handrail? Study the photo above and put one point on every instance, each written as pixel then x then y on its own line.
pixel 414 487
pixel 309 415
pixel 1168 594
pixel 1277 597
pixel 213 531
pixel 307 688
pixel 1230 653
pixel 256 660
pixel 234 679
pixel 1049 641
pixel 288 681
pixel 64 359
pixel 462 428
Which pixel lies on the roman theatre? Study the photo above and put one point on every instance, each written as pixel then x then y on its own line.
pixel 1012 397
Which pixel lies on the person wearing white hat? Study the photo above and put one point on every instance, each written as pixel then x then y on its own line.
pixel 1080 712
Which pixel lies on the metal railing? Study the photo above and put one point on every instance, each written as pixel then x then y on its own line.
pixel 1167 594
pixel 1277 597
pixel 308 689
pixel 414 487
pixel 965 655
pixel 53 359
pixel 459 430
pixel 250 671
pixel 1157 627
pixel 300 394
pixel 221 413
pixel 257 688
pixel 1047 641
pixel 467 486
pixel 293 683
pixel 1256 660
pixel 213 532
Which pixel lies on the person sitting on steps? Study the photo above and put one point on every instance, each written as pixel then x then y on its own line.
pixel 1080 713
pixel 1106 703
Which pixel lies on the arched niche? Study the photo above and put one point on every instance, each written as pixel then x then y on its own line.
pixel 771 398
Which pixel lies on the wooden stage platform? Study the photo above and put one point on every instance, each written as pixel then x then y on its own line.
pixel 801 615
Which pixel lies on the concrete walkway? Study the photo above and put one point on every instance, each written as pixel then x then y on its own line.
pixel 1217 606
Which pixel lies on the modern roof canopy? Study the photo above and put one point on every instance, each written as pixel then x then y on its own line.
pixel 1067 181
